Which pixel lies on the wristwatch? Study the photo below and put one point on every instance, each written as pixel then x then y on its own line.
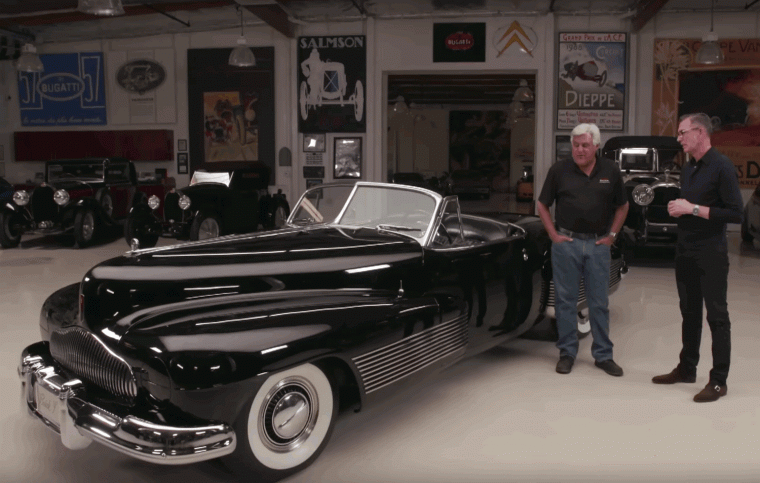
pixel 695 211
pixel 613 234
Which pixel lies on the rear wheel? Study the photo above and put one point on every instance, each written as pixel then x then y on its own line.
pixel 10 234
pixel 205 226
pixel 84 227
pixel 286 424
pixel 139 227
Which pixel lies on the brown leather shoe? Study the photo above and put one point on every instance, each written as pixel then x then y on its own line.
pixel 673 377
pixel 711 392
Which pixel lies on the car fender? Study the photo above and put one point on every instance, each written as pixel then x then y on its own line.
pixel 207 344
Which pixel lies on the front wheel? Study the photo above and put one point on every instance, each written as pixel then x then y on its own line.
pixel 278 216
pixel 84 227
pixel 746 236
pixel 205 226
pixel 10 233
pixel 286 424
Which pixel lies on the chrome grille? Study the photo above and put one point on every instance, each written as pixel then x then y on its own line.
pixel 42 205
pixel 85 355
pixel 383 366
pixel 172 211
pixel 616 264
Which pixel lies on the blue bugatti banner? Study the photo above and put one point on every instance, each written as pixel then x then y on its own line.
pixel 69 92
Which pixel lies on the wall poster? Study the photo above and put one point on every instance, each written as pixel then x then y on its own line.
pixel 69 92
pixel 459 42
pixel 142 86
pixel 332 78
pixel 230 110
pixel 728 93
pixel 592 80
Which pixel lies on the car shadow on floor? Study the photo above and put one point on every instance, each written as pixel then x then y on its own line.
pixel 103 236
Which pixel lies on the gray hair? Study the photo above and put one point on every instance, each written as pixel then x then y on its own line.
pixel 591 129
pixel 699 118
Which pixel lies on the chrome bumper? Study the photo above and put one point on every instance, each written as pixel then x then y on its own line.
pixel 61 404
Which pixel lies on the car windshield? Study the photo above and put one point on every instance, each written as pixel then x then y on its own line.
pixel 389 208
pixel 383 207
pixel 79 171
pixel 638 159
pixel 206 177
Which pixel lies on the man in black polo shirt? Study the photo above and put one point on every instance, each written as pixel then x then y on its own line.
pixel 710 198
pixel 591 209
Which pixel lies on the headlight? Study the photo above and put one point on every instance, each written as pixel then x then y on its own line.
pixel 61 197
pixel 153 202
pixel 184 202
pixel 21 198
pixel 643 194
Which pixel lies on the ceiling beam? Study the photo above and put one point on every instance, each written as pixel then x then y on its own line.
pixel 275 16
pixel 646 14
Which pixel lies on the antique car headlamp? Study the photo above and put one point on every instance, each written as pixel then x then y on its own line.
pixel 154 202
pixel 643 194
pixel 61 197
pixel 184 202
pixel 21 197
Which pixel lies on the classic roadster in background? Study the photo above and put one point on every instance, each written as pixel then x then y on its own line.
pixel 77 196
pixel 750 228
pixel 651 172
pixel 214 204
pixel 247 346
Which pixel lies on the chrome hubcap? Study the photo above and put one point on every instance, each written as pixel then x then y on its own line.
pixel 209 229
pixel 88 226
pixel 288 415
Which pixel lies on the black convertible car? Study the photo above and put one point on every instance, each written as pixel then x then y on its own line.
pixel 246 347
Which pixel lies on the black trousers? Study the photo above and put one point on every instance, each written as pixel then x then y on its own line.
pixel 702 278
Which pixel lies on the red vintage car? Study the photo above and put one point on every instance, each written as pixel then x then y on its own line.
pixel 77 196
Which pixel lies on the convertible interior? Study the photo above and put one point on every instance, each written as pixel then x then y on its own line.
pixel 472 231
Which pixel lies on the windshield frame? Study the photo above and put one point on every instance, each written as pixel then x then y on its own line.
pixel 423 237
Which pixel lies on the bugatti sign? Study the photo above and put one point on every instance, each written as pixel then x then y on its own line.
pixel 70 91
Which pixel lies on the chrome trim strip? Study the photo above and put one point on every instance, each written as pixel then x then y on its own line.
pixel 386 365
pixel 79 422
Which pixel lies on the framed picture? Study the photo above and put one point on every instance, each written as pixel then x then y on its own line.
pixel 347 157
pixel 314 143
pixel 182 163
pixel 312 182
pixel 181 144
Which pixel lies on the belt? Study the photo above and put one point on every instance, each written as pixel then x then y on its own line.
pixel 580 236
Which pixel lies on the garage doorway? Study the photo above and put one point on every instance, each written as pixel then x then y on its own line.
pixel 467 134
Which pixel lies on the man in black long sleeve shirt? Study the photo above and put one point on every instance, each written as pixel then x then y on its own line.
pixel 710 198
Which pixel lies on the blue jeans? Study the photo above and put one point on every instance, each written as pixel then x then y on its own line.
pixel 572 260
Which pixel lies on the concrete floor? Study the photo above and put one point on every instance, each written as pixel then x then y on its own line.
pixel 503 416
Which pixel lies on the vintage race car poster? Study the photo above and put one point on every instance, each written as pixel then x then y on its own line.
pixel 592 80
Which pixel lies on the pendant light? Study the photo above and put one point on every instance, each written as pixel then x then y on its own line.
pixel 710 52
pixel 242 55
pixel 29 61
pixel 523 93
pixel 101 7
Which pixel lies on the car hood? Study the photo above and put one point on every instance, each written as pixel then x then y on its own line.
pixel 134 289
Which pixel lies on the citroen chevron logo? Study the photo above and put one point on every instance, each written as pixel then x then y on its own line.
pixel 524 37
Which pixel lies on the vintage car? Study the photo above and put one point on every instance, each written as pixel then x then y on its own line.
pixel 651 172
pixel 76 196
pixel 750 228
pixel 246 347
pixel 214 204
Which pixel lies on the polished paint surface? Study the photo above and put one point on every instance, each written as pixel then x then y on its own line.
pixel 501 416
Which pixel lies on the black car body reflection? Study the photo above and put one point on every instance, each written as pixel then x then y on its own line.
pixel 246 346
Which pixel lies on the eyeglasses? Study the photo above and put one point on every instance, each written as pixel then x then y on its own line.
pixel 684 131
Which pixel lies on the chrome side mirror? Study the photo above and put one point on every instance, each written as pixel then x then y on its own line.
pixel 643 194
